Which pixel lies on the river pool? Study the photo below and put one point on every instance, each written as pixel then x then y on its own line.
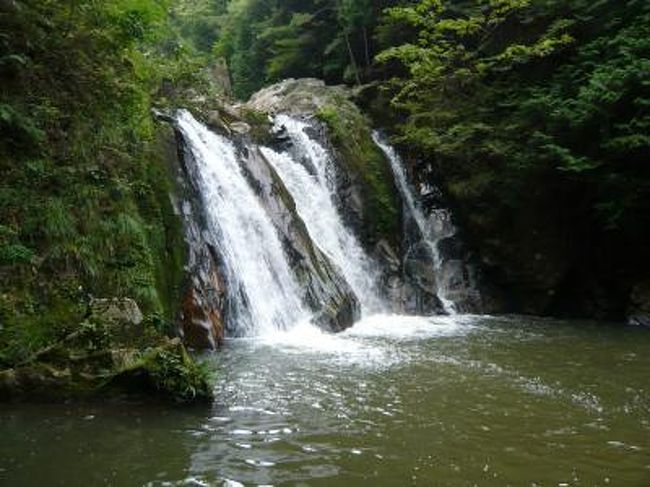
pixel 395 401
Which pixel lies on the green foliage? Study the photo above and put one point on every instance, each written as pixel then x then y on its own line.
pixel 533 117
pixel 177 376
pixel 265 41
pixel 84 207
pixel 523 87
pixel 19 127
pixel 12 251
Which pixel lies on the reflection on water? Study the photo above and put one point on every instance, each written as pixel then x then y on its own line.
pixel 393 401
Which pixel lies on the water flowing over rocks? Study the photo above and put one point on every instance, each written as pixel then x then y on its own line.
pixel 436 263
pixel 295 212
pixel 271 266
pixel 201 315
pixel 326 291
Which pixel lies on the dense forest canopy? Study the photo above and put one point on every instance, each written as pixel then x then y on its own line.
pixel 536 115
pixel 265 41
pixel 482 80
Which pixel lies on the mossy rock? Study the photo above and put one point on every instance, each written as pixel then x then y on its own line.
pixel 100 358
pixel 366 165
pixel 166 371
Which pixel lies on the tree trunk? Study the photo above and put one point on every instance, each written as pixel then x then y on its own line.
pixel 366 46
pixel 352 59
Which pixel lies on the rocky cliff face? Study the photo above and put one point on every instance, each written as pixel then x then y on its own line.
pixel 205 316
pixel 366 196
pixel 202 308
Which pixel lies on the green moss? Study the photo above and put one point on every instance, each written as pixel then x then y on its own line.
pixel 168 373
pixel 352 139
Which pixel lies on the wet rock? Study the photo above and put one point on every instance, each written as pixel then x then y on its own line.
pixel 215 121
pixel 351 200
pixel 387 256
pixel 201 324
pixel 37 380
pixel 203 302
pixel 419 267
pixel 407 298
pixel 162 115
pixel 639 307
pixel 451 248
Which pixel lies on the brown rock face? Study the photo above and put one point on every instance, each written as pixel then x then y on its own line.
pixel 201 323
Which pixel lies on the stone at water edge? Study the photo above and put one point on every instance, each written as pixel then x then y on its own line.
pixel 201 324
pixel 639 309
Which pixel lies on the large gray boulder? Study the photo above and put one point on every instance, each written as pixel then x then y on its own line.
pixel 303 96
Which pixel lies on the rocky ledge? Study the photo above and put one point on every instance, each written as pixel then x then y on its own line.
pixel 113 350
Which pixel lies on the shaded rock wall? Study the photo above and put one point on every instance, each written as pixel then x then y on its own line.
pixel 204 297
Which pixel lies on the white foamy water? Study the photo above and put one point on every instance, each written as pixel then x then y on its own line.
pixel 263 294
pixel 370 343
pixel 400 327
pixel 315 196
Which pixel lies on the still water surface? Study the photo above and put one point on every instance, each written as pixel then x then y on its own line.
pixel 392 402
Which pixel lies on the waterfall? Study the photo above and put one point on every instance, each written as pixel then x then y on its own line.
pixel 263 293
pixel 286 253
pixel 311 180
pixel 432 229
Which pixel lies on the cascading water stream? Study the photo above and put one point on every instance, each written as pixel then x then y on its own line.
pixel 314 193
pixel 263 294
pixel 432 229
